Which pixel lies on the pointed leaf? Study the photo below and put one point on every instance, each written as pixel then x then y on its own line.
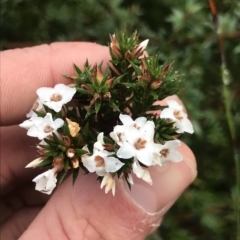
pixel 114 106
pixel 136 68
pixel 97 106
pixel 75 174
pixel 80 152
pixel 89 112
pixel 66 165
pixel 77 69
pixel 61 176
pixel 45 162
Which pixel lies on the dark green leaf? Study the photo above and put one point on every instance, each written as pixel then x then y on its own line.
pixel 75 174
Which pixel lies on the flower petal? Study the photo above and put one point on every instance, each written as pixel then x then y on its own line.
pixel 167 113
pixel 89 163
pixel 126 151
pixel 125 119
pixel 112 164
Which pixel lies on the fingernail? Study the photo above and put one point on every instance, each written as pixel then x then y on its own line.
pixel 168 183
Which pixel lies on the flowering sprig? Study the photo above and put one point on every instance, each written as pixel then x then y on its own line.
pixel 105 122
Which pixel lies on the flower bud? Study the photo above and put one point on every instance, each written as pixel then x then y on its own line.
pixel 75 162
pixel 109 147
pixel 87 89
pixel 139 49
pixel 114 48
pixel 107 96
pixel 109 82
pixel 96 97
pixel 70 153
pixel 67 141
pixel 58 164
pixel 155 85
pixel 99 76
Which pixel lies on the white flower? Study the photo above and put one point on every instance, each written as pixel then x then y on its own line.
pixel 138 143
pixel 141 173
pixel 118 134
pixel 37 106
pixel 101 161
pixel 128 121
pixel 27 124
pixel 43 127
pixel 55 97
pixel 168 152
pixel 99 144
pixel 46 181
pixel 175 113
pixel 109 182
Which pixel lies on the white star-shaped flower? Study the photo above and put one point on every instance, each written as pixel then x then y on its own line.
pixel 101 161
pixel 168 151
pixel 175 113
pixel 118 134
pixel 43 127
pixel 138 143
pixel 46 181
pixel 56 97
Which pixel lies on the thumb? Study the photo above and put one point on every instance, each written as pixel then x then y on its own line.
pixel 83 211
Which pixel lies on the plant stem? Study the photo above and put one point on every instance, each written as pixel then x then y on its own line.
pixel 231 124
pixel 227 98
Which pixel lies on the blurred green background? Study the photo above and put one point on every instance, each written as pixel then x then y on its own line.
pixel 181 31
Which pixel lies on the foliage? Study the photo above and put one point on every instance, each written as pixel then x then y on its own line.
pixel 183 32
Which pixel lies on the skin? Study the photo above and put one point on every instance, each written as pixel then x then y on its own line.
pixel 82 211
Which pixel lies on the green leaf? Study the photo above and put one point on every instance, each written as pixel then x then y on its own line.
pixel 136 68
pixel 117 80
pixel 66 164
pixel 61 176
pixel 89 112
pixel 80 152
pixel 167 137
pixel 97 106
pixel 67 77
pixel 113 106
pixel 77 69
pixel 75 174
pixel 154 95
pixel 46 162
pixel 85 130
pixel 66 129
pixel 81 90
pixel 56 139
pixel 50 142
pixel 50 154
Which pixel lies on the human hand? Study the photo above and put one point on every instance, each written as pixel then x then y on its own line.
pixel 82 211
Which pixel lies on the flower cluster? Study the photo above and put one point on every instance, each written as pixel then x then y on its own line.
pixel 105 121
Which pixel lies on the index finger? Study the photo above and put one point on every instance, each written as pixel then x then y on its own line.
pixel 25 70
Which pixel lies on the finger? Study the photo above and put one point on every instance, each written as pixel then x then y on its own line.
pixel 17 150
pixel 23 71
pixel 83 211
pixel 16 225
